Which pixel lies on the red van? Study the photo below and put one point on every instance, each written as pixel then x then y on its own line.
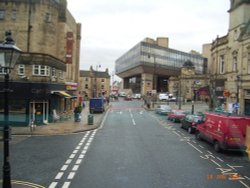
pixel 223 131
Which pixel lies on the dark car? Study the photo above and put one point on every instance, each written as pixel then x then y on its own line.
pixel 190 122
pixel 176 115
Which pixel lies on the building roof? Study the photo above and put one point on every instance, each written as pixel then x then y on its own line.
pixel 97 74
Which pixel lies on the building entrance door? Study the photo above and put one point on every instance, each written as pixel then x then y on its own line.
pixel 39 112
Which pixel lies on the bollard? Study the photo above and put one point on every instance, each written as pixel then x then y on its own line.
pixel 90 119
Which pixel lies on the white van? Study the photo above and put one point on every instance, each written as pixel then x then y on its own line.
pixel 163 96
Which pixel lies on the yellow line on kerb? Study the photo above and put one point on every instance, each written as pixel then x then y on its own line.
pixel 27 184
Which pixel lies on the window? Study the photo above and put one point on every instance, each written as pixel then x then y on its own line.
pixel 234 62
pixel 86 79
pixel 41 70
pixel 53 72
pixel 248 63
pixel 86 86
pixel 102 86
pixel 60 74
pixel 13 16
pixel 21 69
pixel 103 80
pixel 2 14
pixel 221 64
pixel 3 71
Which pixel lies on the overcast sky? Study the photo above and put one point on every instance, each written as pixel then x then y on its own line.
pixel 112 27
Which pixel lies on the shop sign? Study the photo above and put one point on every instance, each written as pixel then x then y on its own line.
pixel 71 86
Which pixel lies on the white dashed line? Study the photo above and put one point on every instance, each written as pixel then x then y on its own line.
pixel 75 168
pixel 66 185
pixel 64 167
pixel 53 185
pixel 78 161
pixel 59 175
pixel 71 175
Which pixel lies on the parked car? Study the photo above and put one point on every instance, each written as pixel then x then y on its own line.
pixel 136 96
pixel 190 121
pixel 223 131
pixel 176 115
pixel 128 98
pixel 163 109
pixel 163 97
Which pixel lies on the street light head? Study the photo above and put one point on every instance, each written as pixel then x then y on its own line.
pixel 9 52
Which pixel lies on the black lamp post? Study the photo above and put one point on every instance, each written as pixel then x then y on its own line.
pixel 9 54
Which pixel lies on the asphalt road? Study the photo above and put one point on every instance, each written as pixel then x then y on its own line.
pixel 133 148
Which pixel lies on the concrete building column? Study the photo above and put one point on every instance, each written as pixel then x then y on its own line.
pixel 147 83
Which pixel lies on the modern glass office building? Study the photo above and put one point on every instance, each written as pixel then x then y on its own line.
pixel 155 58
pixel 147 54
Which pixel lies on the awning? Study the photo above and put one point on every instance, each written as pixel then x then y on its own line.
pixel 61 93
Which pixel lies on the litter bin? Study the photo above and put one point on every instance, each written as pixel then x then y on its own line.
pixel 90 119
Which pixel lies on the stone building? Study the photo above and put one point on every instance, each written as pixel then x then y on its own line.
pixel 230 61
pixel 94 83
pixel 45 77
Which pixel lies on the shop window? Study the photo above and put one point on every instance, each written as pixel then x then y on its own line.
pixel 86 79
pixel 102 86
pixel 86 86
pixel 103 80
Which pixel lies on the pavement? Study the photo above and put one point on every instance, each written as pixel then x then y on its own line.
pixel 63 127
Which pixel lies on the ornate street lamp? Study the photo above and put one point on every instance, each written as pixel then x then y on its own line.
pixel 9 54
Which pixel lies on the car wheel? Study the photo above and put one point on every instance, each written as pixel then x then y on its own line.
pixel 182 126
pixel 190 130
pixel 217 146
pixel 198 135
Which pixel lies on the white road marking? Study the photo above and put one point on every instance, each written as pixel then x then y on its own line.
pixel 75 167
pixel 53 185
pixel 75 151
pixel 71 175
pixel 78 161
pixel 219 159
pixel 244 184
pixel 81 156
pixel 66 185
pixel 64 167
pixel 194 147
pixel 59 175
pixel 176 133
pixel 215 163
pixel 68 161
pixel 247 178
pixel 72 156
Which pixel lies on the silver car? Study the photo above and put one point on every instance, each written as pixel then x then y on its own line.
pixel 163 109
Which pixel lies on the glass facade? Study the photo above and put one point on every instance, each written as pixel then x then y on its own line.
pixel 148 54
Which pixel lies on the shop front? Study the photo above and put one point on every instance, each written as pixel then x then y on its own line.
pixel 35 102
